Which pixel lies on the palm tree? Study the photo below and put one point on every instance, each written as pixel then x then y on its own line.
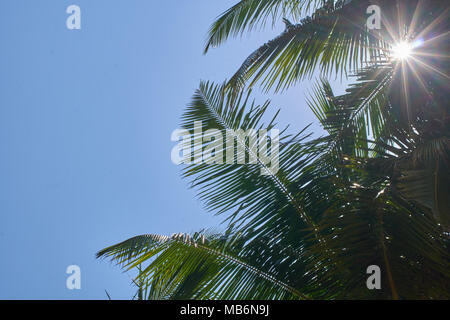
pixel 374 190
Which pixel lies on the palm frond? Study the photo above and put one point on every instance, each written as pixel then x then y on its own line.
pixel 248 14
pixel 198 266
pixel 335 38
pixel 351 119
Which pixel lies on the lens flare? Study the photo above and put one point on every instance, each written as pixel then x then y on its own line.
pixel 402 51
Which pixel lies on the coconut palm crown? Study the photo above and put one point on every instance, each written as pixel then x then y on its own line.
pixel 373 190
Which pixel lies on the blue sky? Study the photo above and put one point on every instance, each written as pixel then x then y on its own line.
pixel 85 123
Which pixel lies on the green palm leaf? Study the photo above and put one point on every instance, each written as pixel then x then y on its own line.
pixel 247 14
pixel 335 39
pixel 198 266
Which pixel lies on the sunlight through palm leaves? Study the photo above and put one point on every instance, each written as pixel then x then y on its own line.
pixel 373 190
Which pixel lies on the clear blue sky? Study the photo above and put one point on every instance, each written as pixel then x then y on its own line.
pixel 85 123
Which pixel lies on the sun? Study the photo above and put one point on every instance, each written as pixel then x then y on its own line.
pixel 402 50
